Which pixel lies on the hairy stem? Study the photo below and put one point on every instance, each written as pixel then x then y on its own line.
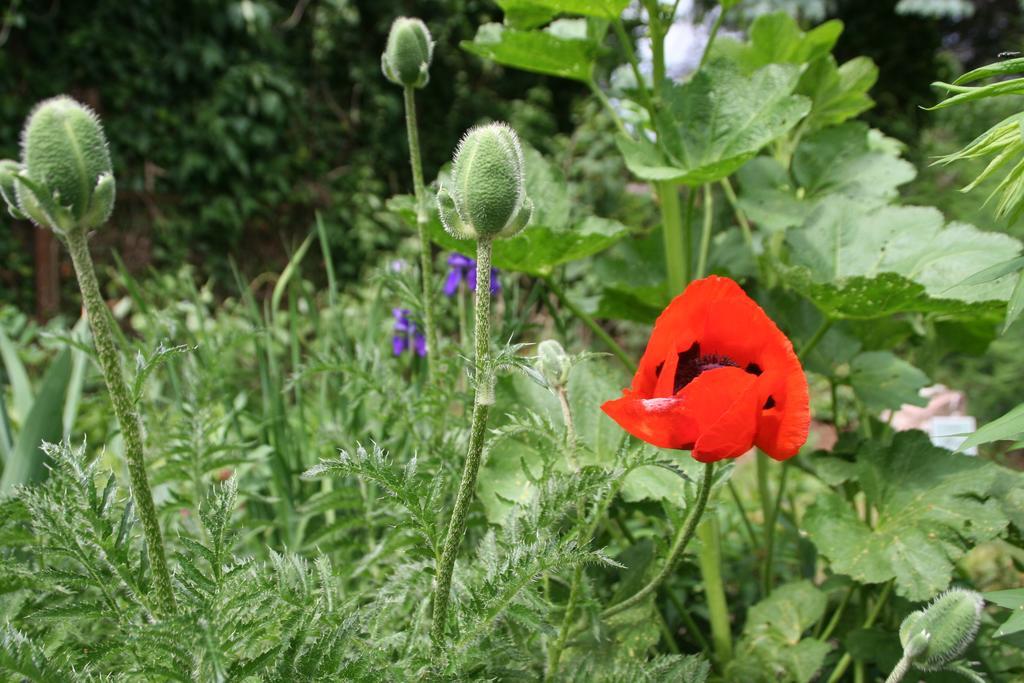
pixel 679 544
pixel 426 262
pixel 710 558
pixel 481 406
pixel 899 671
pixel 125 411
pixel 589 321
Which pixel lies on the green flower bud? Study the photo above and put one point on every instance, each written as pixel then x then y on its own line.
pixel 406 59
pixel 553 363
pixel 66 181
pixel 938 634
pixel 487 197
pixel 8 188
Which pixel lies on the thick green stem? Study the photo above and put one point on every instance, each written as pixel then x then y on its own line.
pixel 710 558
pixel 426 260
pixel 589 321
pixel 847 659
pixel 705 233
pixel 679 544
pixel 677 249
pixel 125 411
pixel 481 406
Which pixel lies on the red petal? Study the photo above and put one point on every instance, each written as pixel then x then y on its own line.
pixel 661 422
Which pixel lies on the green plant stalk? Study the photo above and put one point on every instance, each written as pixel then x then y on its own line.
pixel 705 233
pixel 711 38
pixel 630 53
pixel 125 411
pixel 603 99
pixel 677 249
pixel 815 338
pixel 767 573
pixel 709 556
pixel 589 321
pixel 482 402
pixel 847 659
pixel 741 217
pixel 679 544
pixel 899 671
pixel 426 260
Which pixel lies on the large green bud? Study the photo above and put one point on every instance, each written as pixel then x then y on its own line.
pixel 406 59
pixel 66 181
pixel 553 363
pixel 487 195
pixel 935 636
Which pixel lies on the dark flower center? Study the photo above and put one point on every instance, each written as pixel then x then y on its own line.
pixel 692 363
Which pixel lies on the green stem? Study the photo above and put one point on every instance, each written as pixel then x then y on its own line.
pixel 709 556
pixel 627 49
pixel 555 653
pixel 705 233
pixel 677 250
pixel 691 626
pixel 482 402
pixel 603 99
pixel 741 216
pixel 815 338
pixel 125 411
pixel 426 260
pixel 682 538
pixel 570 428
pixel 714 32
pixel 743 513
pixel 767 573
pixel 847 659
pixel 589 321
pixel 836 616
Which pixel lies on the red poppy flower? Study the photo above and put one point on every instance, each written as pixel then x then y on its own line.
pixel 718 377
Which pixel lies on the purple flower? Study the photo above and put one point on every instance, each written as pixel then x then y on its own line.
pixel 407 336
pixel 463 269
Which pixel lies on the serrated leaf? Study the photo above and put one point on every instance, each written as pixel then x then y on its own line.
pixel 842 160
pixel 932 507
pixel 537 51
pixel 869 264
pixel 715 122
pixel 881 380
pixel 602 9
pixel 837 93
pixel 776 38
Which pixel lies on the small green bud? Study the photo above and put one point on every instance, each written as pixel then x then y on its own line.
pixel 406 59
pixel 66 180
pixel 8 187
pixel 553 363
pixel 487 197
pixel 938 634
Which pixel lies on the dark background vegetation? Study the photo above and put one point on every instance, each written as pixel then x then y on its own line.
pixel 232 122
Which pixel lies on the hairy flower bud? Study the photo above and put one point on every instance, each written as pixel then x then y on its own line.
pixel 406 59
pixel 487 197
pixel 553 363
pixel 940 633
pixel 8 186
pixel 66 180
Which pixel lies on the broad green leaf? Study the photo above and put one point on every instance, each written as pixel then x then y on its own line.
pixel 933 505
pixel 837 93
pixel 632 277
pixel 716 122
pixel 503 482
pixel 773 647
pixel 1009 427
pixel 881 380
pixel 843 160
pixel 603 9
pixel 591 383
pixel 1015 306
pixel 777 39
pixel 854 263
pixel 538 51
pixel 27 463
